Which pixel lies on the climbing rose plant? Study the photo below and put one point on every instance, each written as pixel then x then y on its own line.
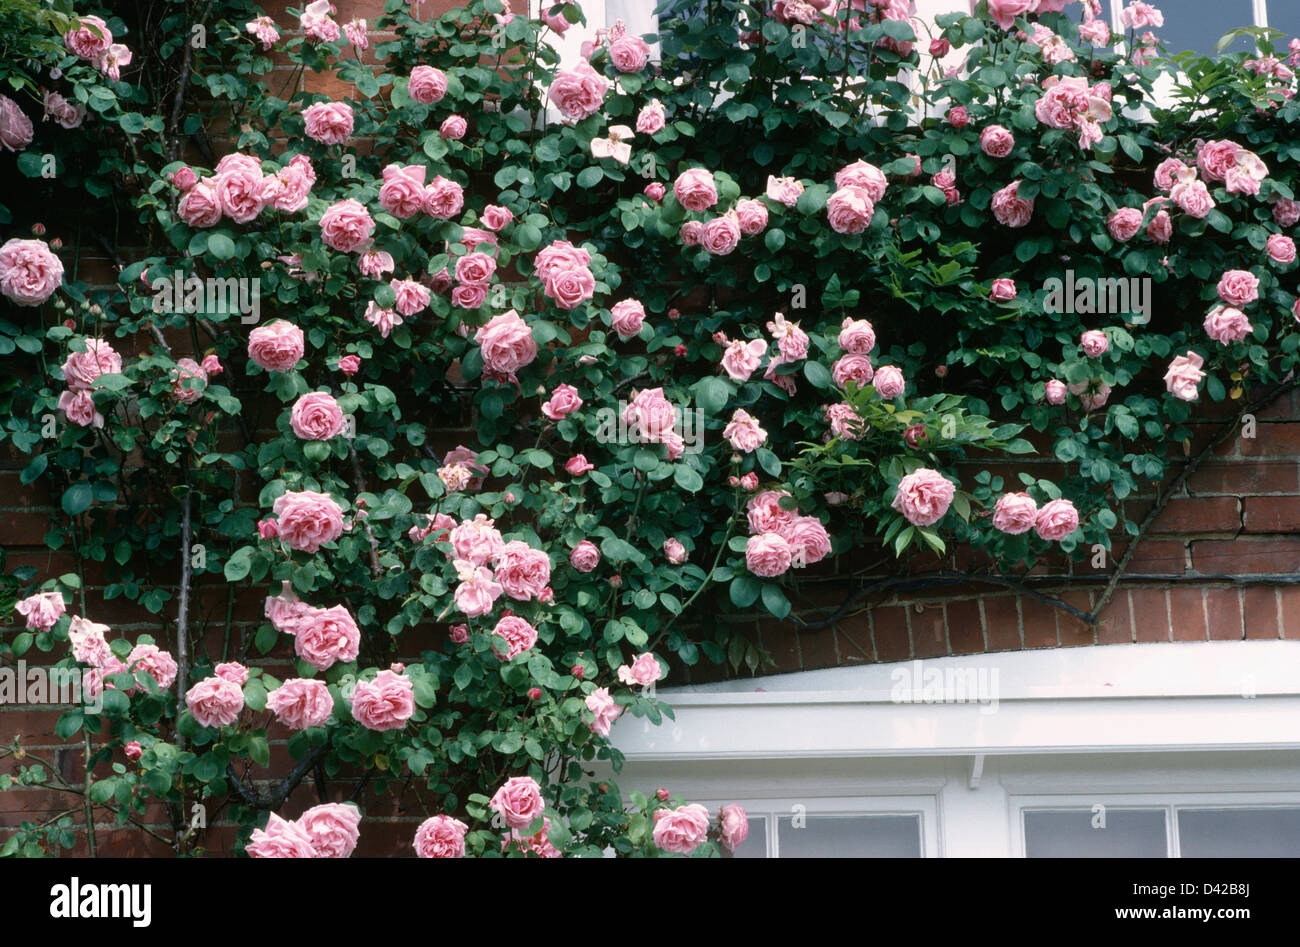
pixel 722 303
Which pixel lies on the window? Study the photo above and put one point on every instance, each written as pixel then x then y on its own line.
pixel 864 827
pixel 1198 24
pixel 1272 832
pixel 1096 833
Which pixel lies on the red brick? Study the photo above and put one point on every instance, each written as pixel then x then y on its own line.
pixel 1282 408
pixel 1290 595
pixel 1115 625
pixel 1039 623
pixel 889 632
pixel 1002 620
pixel 1223 612
pixel 853 638
pixel 1150 614
pixel 1270 440
pixel 783 643
pixel 1246 557
pixel 1073 631
pixel 965 629
pixel 1261 612
pixel 1187 614
pixel 1199 515
pixel 1246 479
pixel 817 649
pixel 929 631
pixel 1153 557
pixel 1271 514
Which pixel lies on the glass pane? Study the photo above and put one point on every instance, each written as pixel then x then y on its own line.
pixel 755 844
pixel 1239 833
pixel 851 836
pixel 1284 15
pixel 1198 24
pixel 1070 833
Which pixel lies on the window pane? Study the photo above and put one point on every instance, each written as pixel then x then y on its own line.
pixel 1069 833
pixel 1284 15
pixel 835 836
pixel 1198 24
pixel 755 844
pixel 1239 833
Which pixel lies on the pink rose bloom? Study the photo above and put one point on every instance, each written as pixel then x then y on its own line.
pixel 495 216
pixel 459 634
pixel 427 85
pixel 924 497
pixel 316 416
pixel 850 209
pixel 307 520
pixel 1184 375
pixel 1124 224
pixel 1056 520
pixel 1094 343
pixel 346 225
pixel 721 234
pixel 29 272
pixel 280 839
pixel 82 368
pixel 66 114
pixel 241 191
pixel 89 39
pixel 79 407
pixel 189 380
pixel 315 21
pixel 651 118
pixel 284 610
pixel 412 297
pixel 765 514
pixel 940 47
pixel 1002 290
pixel 743 432
pixel 1216 158
pixel 741 358
pixel 200 206
pixel 518 801
pixel 154 661
pixel 332 828
pixel 784 190
pixel 1161 228
pixel 1280 249
pixel 506 343
pixel 695 190
pixel 329 123
pixel 1238 287
pixel 629 53
pixel 585 556
pixel 453 128
pixel 518 634
pixel 1004 12
pixel 440 837
pixel 375 263
pixel 41 610
pixel 291 185
pixel 1167 173
pixel 89 644
pixel 300 703
pixel 604 709
pixel 889 382
pixel 215 702
pixel 681 830
pixel 577 465
pixel 571 288
pixel 477 541
pixel 857 336
pixel 111 61
pixel 808 539
pixel 749 482
pixel 522 571
pixel 642 672
pixel 1138 15
pixel 866 176
pixel 402 193
pixel 791 341
pixel 355 31
pixel 1015 513
pixel 768 555
pixel 263 29
pixel 1226 325
pixel 752 216
pixel 691 233
pixel 477 591
pixel 627 317
pixel 1010 210
pixel 350 364
pixel 564 401
pixel 845 423
pixel 324 636
pixel 277 346
pixel 733 826
pixel 996 141
pixel 674 551
pixel 443 198
pixel 957 116
pixel 133 750
pixel 579 92
pixel 469 295
pixel 232 671
pixel 384 703
pixel 1286 213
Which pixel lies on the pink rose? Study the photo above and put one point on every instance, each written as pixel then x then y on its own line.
pixel 453 128
pixel 1238 287
pixel 41 610
pixel 1004 12
pixel 427 85
pixel 1056 520
pixel 564 401
pixel 1161 228
pixel 402 193
pixel 1055 392
pixel 924 496
pixel 651 118
pixel 459 634
pixel 1280 249
pixel 585 556
pixel 332 828
pixel 1192 198
pixel 940 47
pixel 469 295
pixel 79 407
pixel 519 635
pixel 629 53
pixel 29 272
pixel 215 702
pixel 1002 290
pixel 857 337
pixel 695 190
pixel 89 39
pixel 232 671
pixel 350 364
pixel 808 539
pixel 506 344
pixel 889 382
pixel 153 661
pixel 346 225
pixel 443 198
pixel 477 540
pixel 440 837
pixel 1124 223
pixel 495 216
pixel 681 830
pixel 200 205
pixel 957 116
pixel 324 636
pixel 1216 158
pixel 1226 325
pixel 133 750
pixel 768 555
pixel 518 801
pixel 1015 513
pixel 743 432
pixel 329 123
pixel 1009 209
pixel 849 210
pixel 577 465
pixel 1094 343
pixel 765 514
pixel 691 233
pixel 674 551
pixel 384 703
pixel 752 216
pixel 82 368
pixel 316 22
pixel 579 92
pixel 741 358
pixel 300 703
pixel 263 29
pixel 866 176
pixel 784 190
pixel 733 823
pixel 1286 212
pixel 316 416
pixel 307 520
pixel 996 141
pixel 277 346
pixel 845 423
pixel 375 263
pixel 721 234
pixel 412 297
pixel 1184 375
pixel 1167 173
pixel 241 191
pixel 477 591
pixel 522 571
pixel 280 839
pixel 291 185
pixel 604 709
pixel 627 317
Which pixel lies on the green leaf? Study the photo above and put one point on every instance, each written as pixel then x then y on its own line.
pixel 221 246
pixel 77 498
pixel 686 478
pixel 744 591
pixel 774 600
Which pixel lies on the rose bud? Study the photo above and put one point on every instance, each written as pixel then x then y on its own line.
pixel 661 794
pixel 939 47
pixel 38 230
pixel 534 693
pixel 578 671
